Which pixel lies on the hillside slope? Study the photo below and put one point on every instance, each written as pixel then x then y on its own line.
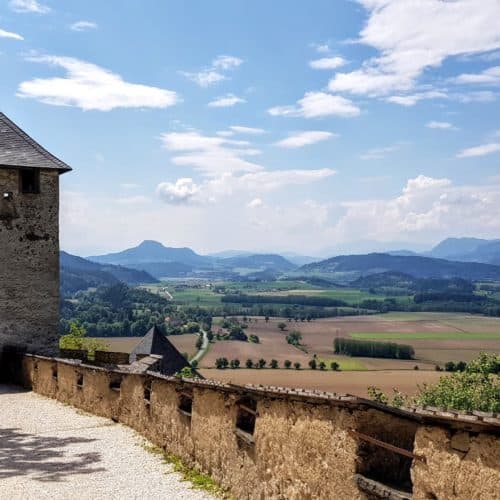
pixel 353 266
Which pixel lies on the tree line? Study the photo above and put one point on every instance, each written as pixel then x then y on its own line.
pixel 372 349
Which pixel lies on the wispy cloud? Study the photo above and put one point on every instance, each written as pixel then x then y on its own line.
pixel 489 76
pixel 441 125
pixel 481 150
pixel 412 99
pixel 90 87
pixel 317 105
pixel 214 74
pixel 327 63
pixel 379 153
pixel 408 48
pixel 304 139
pixel 226 101
pixel 25 6
pixel 10 34
pixel 210 155
pixel 247 130
pixel 83 26
pixel 321 48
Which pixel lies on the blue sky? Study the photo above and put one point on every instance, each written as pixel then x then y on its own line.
pixel 314 127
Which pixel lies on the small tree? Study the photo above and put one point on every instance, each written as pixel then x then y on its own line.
pixel 312 364
pixel 296 365
pixel 274 363
pixel 76 339
pixel 282 326
pixel 322 365
pixel 249 363
pixel 288 364
pixel 262 363
pixel 234 364
pixel 199 343
pixel 194 363
pixel 210 335
pixel 221 363
pixel 294 338
pixel 267 319
pixel 334 366
pixel 449 366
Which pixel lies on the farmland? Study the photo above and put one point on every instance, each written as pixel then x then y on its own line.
pixel 436 338
pixel 340 382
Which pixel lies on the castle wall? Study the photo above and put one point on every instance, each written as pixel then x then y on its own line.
pixel 301 448
pixel 29 265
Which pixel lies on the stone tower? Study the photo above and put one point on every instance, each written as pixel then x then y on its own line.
pixel 29 243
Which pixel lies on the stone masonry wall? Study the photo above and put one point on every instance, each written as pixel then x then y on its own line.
pixel 29 264
pixel 300 449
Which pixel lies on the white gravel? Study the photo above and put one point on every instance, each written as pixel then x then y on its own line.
pixel 52 451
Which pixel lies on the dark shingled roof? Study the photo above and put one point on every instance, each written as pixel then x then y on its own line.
pixel 154 342
pixel 18 149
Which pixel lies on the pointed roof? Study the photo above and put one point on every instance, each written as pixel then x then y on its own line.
pixel 18 149
pixel 154 342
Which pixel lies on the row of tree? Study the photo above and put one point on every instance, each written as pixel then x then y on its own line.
pixel 372 349
pixel 223 363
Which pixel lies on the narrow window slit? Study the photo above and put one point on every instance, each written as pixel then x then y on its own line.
pixel 245 419
pixel 185 404
pixel 79 380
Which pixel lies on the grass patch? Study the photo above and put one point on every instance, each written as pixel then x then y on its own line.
pixel 199 480
pixel 425 336
pixel 346 364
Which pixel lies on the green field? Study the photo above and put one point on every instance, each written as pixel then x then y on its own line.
pixel 346 364
pixel 425 336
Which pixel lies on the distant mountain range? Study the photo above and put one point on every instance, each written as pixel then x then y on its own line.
pixel 162 261
pixel 468 258
pixel 78 273
pixel 347 268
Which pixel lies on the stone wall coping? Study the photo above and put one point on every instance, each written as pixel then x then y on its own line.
pixel 460 419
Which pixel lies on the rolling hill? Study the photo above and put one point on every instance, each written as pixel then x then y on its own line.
pixel 350 267
pixel 78 273
pixel 259 261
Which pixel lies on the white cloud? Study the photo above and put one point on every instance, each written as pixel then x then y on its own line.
pixel 83 26
pixel 183 191
pixel 322 48
pixel 226 62
pixel 24 6
pixel 304 139
pixel 327 63
pixel 476 96
pixel 10 34
pixel 481 150
pixel 247 130
pixel 489 76
pixel 440 125
pixel 255 203
pixel 412 36
pixel 412 99
pixel 186 191
pixel 214 74
pixel 379 153
pixel 90 87
pixel 317 105
pixel 210 155
pixel 426 209
pixel 225 133
pixel 226 101
pixel 205 78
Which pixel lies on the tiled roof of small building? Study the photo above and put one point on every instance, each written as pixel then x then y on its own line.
pixel 18 149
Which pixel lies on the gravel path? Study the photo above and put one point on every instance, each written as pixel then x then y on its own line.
pixel 49 450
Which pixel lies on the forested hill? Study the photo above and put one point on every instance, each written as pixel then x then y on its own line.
pixel 350 267
pixel 79 274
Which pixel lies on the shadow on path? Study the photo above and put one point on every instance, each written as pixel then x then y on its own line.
pixel 43 458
